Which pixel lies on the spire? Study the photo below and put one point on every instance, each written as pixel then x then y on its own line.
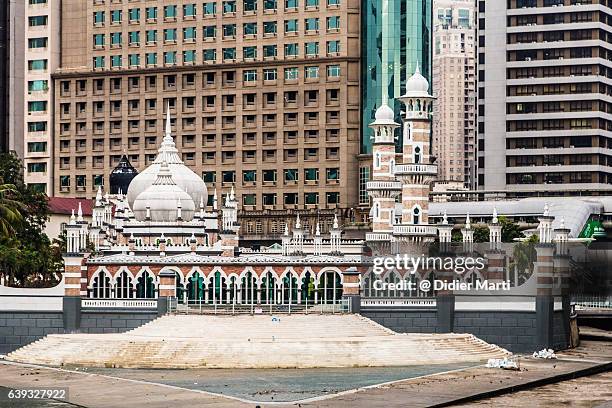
pixel 232 195
pixel 201 203
pixel 164 177
pixel 562 226
pixel 495 220
pixel 318 230
pixel 297 222
pixel 286 229
pixel 467 221
pixel 335 221
pixel 168 126
pixel 444 218
pixel 99 196
pixel 546 210
pixel 72 218
pixel 80 213
pixel 215 206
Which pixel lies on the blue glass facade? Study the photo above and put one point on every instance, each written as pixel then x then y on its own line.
pixel 396 34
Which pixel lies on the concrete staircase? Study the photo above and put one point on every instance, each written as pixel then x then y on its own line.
pixel 260 341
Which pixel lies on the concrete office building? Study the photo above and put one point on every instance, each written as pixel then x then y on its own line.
pixel 264 95
pixel 544 95
pixel 41 30
pixel 454 86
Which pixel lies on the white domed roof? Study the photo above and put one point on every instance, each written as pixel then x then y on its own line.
pixel 384 112
pixel 163 198
pixel 417 85
pixel 182 175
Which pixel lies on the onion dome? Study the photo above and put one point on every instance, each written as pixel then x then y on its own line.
pixel 185 178
pixel 121 176
pixel 384 115
pixel 164 200
pixel 417 85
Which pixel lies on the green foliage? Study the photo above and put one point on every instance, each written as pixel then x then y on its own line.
pixel 27 257
pixel 510 230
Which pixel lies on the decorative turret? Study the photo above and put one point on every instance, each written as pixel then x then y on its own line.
pixel 318 241
pixel 297 242
pixel 335 237
pixel 495 230
pixel 545 227
pixel 468 234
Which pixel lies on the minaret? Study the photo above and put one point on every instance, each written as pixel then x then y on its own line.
pixel 416 171
pixel 383 188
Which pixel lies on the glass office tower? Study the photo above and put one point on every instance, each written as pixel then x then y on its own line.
pixel 396 36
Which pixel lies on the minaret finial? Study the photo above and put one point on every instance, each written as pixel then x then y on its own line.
pixel 495 219
pixel 168 127
pixel 467 221
pixel 80 213
pixel 444 218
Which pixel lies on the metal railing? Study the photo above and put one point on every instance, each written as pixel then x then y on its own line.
pixel 201 307
pixel 593 302
pixel 120 303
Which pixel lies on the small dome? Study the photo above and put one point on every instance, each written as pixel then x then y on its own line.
pixel 163 199
pixel 121 176
pixel 384 112
pixel 185 178
pixel 417 84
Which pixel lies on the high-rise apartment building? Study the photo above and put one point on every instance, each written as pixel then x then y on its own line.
pixel 11 76
pixel 41 30
pixel 263 94
pixel 544 95
pixel 454 85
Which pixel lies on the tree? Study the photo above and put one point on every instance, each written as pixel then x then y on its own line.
pixel 26 255
pixel 10 214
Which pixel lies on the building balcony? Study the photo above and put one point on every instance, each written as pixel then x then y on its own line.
pixel 377 236
pixel 424 169
pixel 384 185
pixel 422 230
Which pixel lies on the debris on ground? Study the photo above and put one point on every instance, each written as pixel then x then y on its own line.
pixel 502 363
pixel 545 353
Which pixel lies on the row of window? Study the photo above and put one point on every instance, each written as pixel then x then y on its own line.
pixel 291 198
pixel 189 34
pixel 210 55
pixel 270 176
pixel 209 9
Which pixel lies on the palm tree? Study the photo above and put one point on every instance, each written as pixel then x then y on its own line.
pixel 9 210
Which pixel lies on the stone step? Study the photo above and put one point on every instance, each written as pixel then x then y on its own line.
pixel 300 341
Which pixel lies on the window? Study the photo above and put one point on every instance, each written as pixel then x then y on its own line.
pixel 291 26
pixel 269 199
pixel 229 53
pixel 311 48
pixel 116 61
pixel 189 34
pixel 37 126
pixel 229 7
pixel 312 3
pixel 151 13
pixel 249 5
pixel 98 62
pixel 116 16
pixel 311 174
pixel 269 51
pixel 189 10
pixel 98 17
pixel 291 50
pixel 116 39
pixel 291 73
pixel 151 58
pixel 291 4
pixel 38 85
pixel 170 12
pixel 210 32
pixel 311 24
pixel 134 37
pixel 333 47
pixel 249 176
pixel 134 15
pixel 269 27
pixel 333 23
pixel 37 21
pixel 37 65
pixel 311 198
pixel 134 60
pixel 37 42
pixel 249 29
pixel 37 167
pixel 333 174
pixel 291 198
pixel 170 35
pixel 170 57
pixel 248 199
pixel 250 75
pixel 269 74
pixel 333 71
pixel 332 198
pixel 291 175
pixel 249 52
pixel 151 36
pixel 311 72
pixel 229 30
pixel 210 54
pixel 37 147
pixel 270 4
pixel 228 176
pixel 210 9
pixel 269 176
pixel 189 57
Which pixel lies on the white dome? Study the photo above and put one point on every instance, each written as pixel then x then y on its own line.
pixel 384 112
pixel 185 178
pixel 163 199
pixel 417 85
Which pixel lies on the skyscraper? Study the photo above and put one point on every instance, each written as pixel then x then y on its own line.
pixel 454 84
pixel 544 96
pixel 264 95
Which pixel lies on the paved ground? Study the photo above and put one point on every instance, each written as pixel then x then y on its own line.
pixel 163 388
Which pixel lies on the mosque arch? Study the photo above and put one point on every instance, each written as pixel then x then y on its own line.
pixel 146 286
pixel 101 285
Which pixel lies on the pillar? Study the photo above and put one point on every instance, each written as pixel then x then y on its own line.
pixel 167 291
pixel 351 289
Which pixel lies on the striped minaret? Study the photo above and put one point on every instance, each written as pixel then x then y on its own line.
pixel 416 171
pixel 383 188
